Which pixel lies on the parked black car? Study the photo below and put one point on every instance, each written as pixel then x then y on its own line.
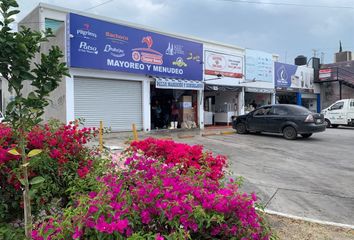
pixel 290 120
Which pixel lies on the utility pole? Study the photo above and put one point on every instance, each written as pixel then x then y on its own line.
pixel 314 52
pixel 322 57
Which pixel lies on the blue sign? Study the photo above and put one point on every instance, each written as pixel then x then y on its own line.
pixel 283 74
pixel 259 66
pixel 97 44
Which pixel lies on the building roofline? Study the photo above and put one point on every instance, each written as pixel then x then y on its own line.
pixel 134 25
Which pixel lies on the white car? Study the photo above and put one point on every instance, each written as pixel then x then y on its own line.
pixel 1 117
pixel 340 113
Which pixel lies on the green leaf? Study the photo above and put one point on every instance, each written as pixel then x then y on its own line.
pixel 14 152
pixel 34 152
pixel 37 180
pixel 22 181
pixel 33 192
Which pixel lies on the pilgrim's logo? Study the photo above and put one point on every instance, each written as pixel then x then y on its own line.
pixel 282 77
pixel 147 55
pixel 85 32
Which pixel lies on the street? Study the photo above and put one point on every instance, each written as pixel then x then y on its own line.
pixel 311 178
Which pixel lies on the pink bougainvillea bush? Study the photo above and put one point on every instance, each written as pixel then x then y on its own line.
pixel 146 197
pixel 183 155
pixel 64 158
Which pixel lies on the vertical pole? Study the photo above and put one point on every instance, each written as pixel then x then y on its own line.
pixel 135 133
pixel 101 137
pixel 298 98
pixel 340 90
pixel 318 102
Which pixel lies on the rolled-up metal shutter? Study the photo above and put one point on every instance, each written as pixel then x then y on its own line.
pixel 117 103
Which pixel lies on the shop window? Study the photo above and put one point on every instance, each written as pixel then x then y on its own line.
pixel 53 24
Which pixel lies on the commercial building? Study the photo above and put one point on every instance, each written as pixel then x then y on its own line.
pixel 123 73
pixel 295 85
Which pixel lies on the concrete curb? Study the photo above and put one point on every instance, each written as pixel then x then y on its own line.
pixel 209 134
pixel 334 224
pixel 185 136
pixel 227 133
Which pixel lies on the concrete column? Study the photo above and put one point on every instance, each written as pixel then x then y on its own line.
pixel 69 108
pixel 146 105
pixel 201 108
pixel 241 102
pixel 273 98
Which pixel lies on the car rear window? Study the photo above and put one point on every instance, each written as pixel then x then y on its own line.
pixel 279 110
pixel 298 110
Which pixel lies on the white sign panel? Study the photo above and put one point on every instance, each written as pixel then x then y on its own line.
pixel 224 64
pixel 259 66
pixel 179 84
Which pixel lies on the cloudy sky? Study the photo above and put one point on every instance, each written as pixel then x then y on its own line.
pixel 284 27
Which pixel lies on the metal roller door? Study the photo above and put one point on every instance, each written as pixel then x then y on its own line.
pixel 117 103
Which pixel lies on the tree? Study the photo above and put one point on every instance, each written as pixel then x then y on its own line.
pixel 17 65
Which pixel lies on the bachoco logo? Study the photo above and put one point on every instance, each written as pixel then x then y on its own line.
pixel 115 52
pixel 147 55
pixel 85 32
pixel 87 48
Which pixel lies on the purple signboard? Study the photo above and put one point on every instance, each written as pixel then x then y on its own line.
pixel 283 73
pixel 97 44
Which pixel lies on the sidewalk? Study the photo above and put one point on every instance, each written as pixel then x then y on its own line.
pixel 120 139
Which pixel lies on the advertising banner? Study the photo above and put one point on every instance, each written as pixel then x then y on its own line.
pixel 292 76
pixel 224 64
pixel 259 66
pixel 97 44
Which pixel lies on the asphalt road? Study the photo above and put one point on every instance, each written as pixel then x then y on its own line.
pixel 311 178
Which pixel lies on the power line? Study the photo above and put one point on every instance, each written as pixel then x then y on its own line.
pixel 98 5
pixel 288 4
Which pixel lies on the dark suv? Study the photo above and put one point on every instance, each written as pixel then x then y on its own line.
pixel 290 120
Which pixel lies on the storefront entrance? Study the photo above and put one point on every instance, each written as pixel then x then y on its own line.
pixel 173 108
pixel 220 105
pixel 254 100
pixel 286 98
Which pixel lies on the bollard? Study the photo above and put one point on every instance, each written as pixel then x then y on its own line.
pixel 135 133
pixel 100 135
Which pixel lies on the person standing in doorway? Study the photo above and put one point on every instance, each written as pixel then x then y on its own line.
pixel 174 115
pixel 254 104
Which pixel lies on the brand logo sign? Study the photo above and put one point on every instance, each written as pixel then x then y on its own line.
pixel 115 52
pixel 174 49
pixel 292 76
pixel 224 64
pixel 97 44
pixel 87 48
pixel 147 55
pixel 85 32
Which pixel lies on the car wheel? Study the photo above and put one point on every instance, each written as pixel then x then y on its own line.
pixel 241 128
pixel 328 123
pixel 306 135
pixel 289 133
pixel 334 125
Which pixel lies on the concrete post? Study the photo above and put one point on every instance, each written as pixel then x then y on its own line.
pixel 146 105
pixel 201 108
